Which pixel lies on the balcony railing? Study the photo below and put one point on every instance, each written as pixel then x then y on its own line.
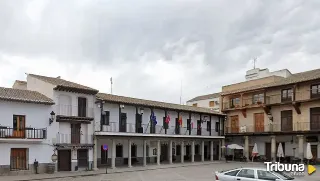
pixel 73 139
pixel 69 110
pixel 274 127
pixel 25 133
pixel 158 129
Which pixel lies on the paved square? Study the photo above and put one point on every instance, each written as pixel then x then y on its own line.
pixel 190 173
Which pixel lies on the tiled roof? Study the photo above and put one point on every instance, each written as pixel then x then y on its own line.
pixel 205 97
pixel 155 104
pixel 9 94
pixel 62 84
pixel 294 78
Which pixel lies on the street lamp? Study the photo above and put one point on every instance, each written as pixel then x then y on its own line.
pixel 141 110
pixel 52 117
pixel 270 117
pixel 54 156
pixel 121 106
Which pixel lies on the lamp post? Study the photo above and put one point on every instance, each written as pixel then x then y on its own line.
pixel 52 117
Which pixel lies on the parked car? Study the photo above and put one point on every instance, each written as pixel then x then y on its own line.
pixel 252 174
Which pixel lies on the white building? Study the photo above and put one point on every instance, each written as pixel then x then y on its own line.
pixel 47 116
pixel 133 137
pixel 261 73
pixel 211 101
pixel 25 134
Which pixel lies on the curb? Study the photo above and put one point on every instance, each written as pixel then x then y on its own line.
pixel 115 172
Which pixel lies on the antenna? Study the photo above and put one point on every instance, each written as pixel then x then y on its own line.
pixel 111 84
pixel 254 62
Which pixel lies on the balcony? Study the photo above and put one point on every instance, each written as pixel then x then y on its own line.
pixel 273 128
pixel 158 129
pixel 72 139
pixel 74 111
pixel 25 133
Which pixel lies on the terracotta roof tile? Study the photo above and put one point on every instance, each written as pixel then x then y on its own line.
pixel 205 97
pixel 9 94
pixel 155 104
pixel 294 78
pixel 61 83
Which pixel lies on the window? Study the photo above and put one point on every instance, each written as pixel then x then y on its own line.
pixel 195 105
pixel 104 155
pixel 286 95
pixel 265 175
pixel 75 133
pixel 232 173
pixel 19 126
pixel 217 126
pixel 315 118
pixel 105 118
pixel 246 173
pixel 211 104
pixel 197 150
pixel 234 102
pixel 208 125
pixel 315 91
pixel 258 99
pixel 286 120
pixel 119 151
pixel 83 158
pixel 82 107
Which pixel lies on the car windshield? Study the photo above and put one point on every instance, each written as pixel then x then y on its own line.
pixel 283 175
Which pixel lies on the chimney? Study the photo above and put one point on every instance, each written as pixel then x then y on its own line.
pixel 59 77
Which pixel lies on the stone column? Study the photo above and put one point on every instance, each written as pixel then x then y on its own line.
pixel 222 150
pixel 301 143
pixel 202 151
pixel 192 151
pixel 182 151
pixel 95 150
pixel 273 148
pixel 113 152
pixel 170 152
pixel 246 147
pixel 129 153
pixel 211 151
pixel 144 153
pixel 158 152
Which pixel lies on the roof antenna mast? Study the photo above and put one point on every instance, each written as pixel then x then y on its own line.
pixel 111 83
pixel 254 62
pixel 181 93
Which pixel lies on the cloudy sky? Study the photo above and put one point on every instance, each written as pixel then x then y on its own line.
pixel 150 46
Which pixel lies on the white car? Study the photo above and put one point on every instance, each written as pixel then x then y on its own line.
pixel 252 174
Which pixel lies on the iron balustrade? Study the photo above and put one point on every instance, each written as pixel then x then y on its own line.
pixel 62 138
pixel 23 133
pixel 274 127
pixel 70 110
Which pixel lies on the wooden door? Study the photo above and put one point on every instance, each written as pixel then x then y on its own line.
pixel 19 125
pixel 75 133
pixel 18 159
pixel 286 120
pixel 64 160
pixel 235 124
pixel 268 151
pixel 315 118
pixel 259 122
pixel 314 151
pixel 123 122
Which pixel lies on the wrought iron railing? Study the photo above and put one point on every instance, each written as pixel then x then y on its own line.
pixel 23 133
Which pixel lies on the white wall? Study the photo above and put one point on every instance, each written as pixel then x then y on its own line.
pixel 205 103
pixel 131 117
pixel 40 86
pixel 37 116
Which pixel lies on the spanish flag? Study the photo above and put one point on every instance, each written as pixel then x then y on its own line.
pixel 180 120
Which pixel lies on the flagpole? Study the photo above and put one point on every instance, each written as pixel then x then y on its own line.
pixel 111 84
pixel 181 92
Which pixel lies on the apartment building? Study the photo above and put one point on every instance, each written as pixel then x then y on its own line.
pixel 274 110
pixel 258 73
pixel 46 116
pixel 211 101
pixel 142 132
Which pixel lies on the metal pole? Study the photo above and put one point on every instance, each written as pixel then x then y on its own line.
pixel 111 84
